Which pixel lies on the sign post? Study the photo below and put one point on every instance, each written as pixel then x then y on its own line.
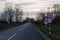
pixel 49 15
pixel 45 20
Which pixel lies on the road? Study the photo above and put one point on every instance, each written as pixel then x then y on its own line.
pixel 26 31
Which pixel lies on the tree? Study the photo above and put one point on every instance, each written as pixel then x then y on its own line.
pixel 57 8
pixel 11 12
pixel 57 12
pixel 19 13
pixel 8 12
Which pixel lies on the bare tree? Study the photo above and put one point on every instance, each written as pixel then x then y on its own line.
pixel 57 8
pixel 8 11
pixel 19 13
pixel 57 12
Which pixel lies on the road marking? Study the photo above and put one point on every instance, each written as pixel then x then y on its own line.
pixel 15 33
pixel 12 36
pixel 19 30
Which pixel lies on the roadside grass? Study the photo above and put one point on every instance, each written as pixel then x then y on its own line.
pixel 5 26
pixel 53 37
pixel 54 31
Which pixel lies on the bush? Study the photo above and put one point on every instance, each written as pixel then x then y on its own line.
pixel 56 20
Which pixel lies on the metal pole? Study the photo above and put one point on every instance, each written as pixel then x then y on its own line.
pixel 27 14
pixel 49 29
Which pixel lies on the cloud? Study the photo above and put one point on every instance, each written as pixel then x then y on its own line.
pixel 25 4
pixel 3 0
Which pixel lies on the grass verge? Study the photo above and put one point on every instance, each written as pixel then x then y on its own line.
pixel 54 31
pixel 5 26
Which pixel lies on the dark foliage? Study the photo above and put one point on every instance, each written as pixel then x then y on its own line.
pixel 56 21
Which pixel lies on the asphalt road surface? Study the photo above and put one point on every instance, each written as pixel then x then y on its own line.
pixel 26 31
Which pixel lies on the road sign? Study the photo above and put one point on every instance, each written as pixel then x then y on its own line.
pixel 49 20
pixel 45 22
pixel 49 15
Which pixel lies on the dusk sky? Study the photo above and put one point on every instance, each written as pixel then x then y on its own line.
pixel 30 5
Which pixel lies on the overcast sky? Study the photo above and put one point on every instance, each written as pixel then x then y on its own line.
pixel 30 5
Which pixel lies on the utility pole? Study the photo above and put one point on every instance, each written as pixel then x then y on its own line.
pixel 27 14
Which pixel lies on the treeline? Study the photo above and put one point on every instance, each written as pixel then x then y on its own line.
pixel 11 13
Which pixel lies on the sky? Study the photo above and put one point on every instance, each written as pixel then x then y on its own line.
pixel 30 5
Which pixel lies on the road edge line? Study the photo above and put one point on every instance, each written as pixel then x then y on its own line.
pixel 11 36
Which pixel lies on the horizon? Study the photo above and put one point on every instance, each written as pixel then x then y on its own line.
pixel 29 5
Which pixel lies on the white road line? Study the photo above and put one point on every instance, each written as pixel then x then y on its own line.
pixel 16 33
pixel 12 36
